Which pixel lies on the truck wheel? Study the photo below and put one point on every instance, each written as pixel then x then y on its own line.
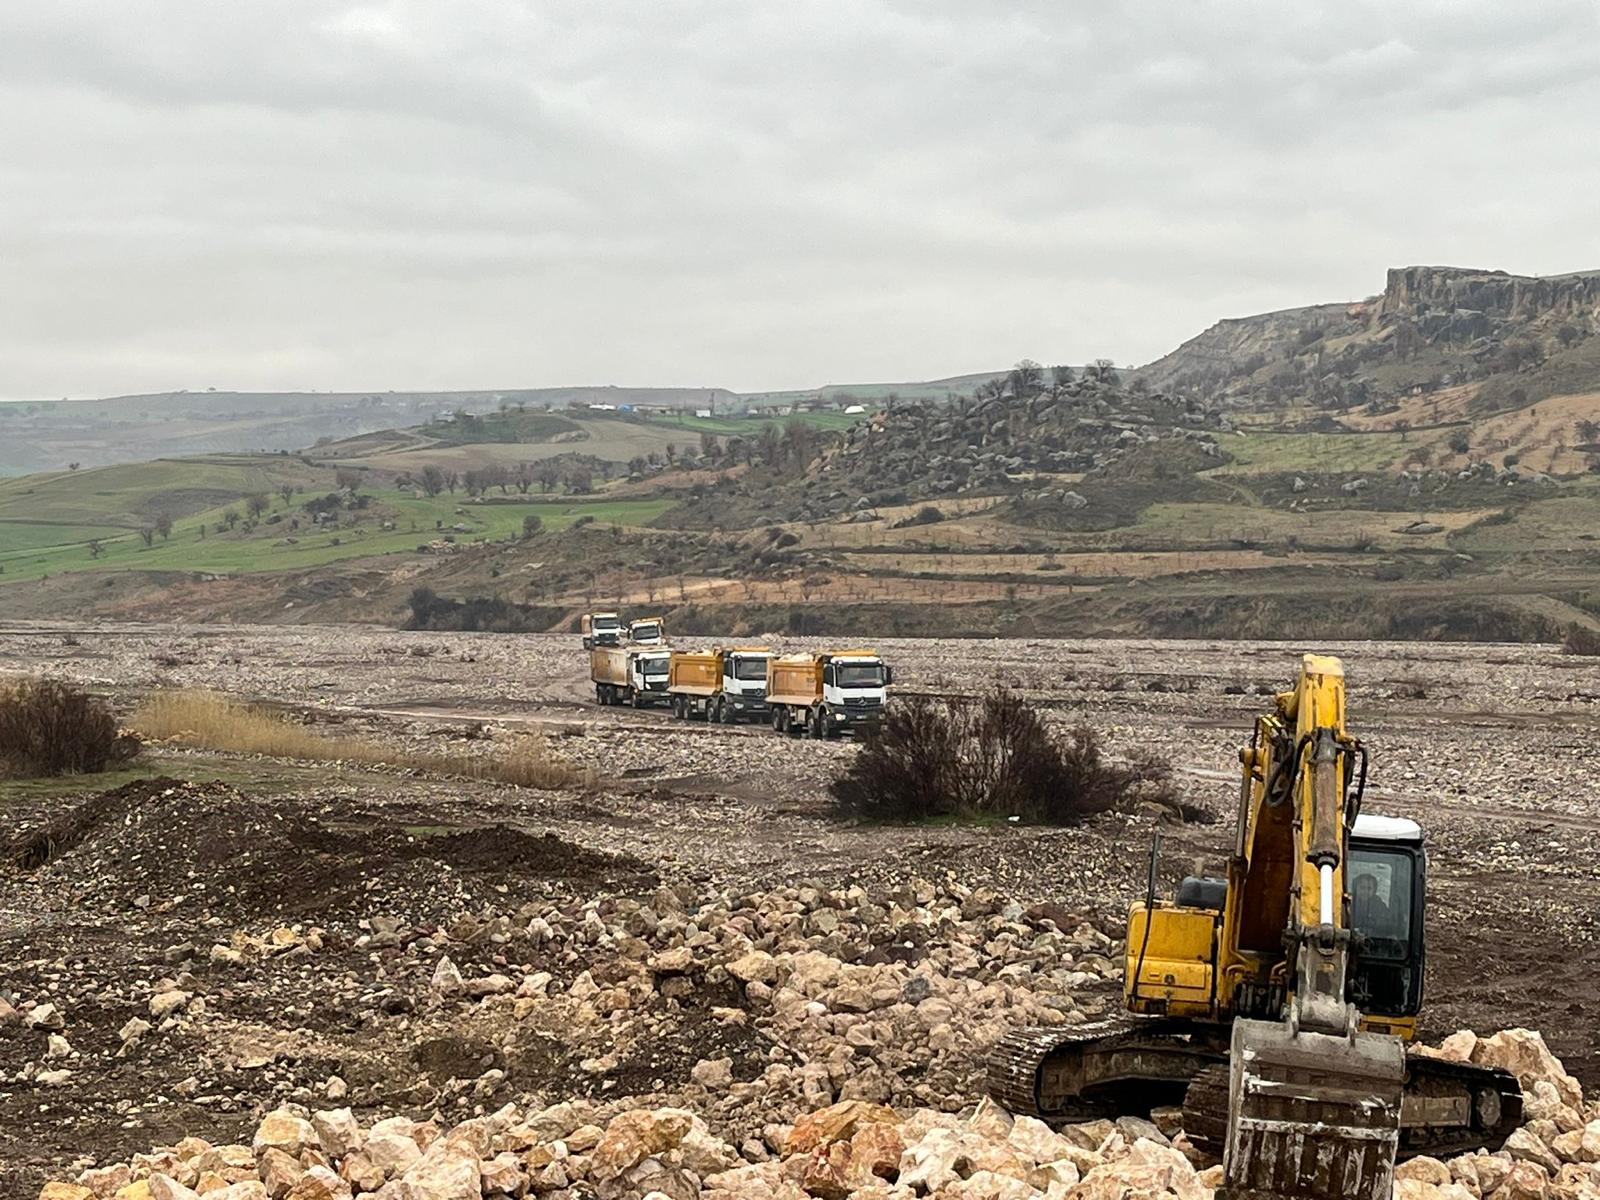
pixel 819 719
pixel 777 719
pixel 638 699
pixel 724 713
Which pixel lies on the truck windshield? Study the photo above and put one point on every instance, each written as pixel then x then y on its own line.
pixel 749 668
pixel 860 675
pixel 607 625
pixel 653 666
pixel 646 633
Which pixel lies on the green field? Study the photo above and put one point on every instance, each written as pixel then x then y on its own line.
pixel 31 549
pixel 1329 453
pixel 129 495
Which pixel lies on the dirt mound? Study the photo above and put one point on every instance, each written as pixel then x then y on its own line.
pixel 501 848
pixel 165 841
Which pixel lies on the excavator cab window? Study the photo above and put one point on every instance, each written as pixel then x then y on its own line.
pixel 1385 880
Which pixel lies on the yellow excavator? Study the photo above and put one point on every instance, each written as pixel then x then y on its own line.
pixel 1275 1004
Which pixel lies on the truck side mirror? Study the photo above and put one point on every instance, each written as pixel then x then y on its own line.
pixel 888 675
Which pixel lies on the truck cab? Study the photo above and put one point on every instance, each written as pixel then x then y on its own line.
pixel 743 691
pixel 647 676
pixel 647 631
pixel 600 629
pixel 855 688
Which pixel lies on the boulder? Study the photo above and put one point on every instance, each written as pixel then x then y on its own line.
pixel 286 1130
pixel 837 1122
pixel 632 1137
pixel 1524 1053
pixel 444 1176
pixel 337 1131
pixel 320 1183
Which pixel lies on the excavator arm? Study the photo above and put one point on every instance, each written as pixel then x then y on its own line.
pixel 1314 1102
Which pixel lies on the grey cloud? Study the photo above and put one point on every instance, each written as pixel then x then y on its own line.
pixel 294 194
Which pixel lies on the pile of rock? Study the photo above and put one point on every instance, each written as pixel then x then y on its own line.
pixel 793 998
pixel 853 1150
pixel 850 1150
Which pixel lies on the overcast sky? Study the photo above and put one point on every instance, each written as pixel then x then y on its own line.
pixel 284 195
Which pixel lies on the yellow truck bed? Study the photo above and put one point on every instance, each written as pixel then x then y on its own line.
pixel 695 672
pixel 794 679
pixel 609 664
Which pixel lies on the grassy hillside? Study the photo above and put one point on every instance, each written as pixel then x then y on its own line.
pixel 285 538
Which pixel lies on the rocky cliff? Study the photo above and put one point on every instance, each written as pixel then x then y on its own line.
pixel 1430 327
pixel 1422 291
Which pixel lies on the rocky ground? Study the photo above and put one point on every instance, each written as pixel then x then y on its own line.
pixel 677 978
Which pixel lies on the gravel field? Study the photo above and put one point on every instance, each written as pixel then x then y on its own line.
pixel 298 918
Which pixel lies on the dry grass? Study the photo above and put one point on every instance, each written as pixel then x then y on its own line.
pixel 211 721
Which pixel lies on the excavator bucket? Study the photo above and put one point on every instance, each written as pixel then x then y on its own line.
pixel 1311 1116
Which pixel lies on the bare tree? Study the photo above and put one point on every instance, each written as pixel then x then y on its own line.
pixel 1026 377
pixel 164 525
pixel 256 503
pixel 432 481
pixel 147 535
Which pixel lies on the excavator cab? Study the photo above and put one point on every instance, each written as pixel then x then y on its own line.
pixel 1387 874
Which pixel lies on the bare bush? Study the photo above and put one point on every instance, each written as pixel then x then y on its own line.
pixel 992 756
pixel 52 728
pixel 1579 640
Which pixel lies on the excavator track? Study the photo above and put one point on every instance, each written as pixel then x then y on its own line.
pixel 1128 1065
pixel 1121 1066
pixel 1489 1099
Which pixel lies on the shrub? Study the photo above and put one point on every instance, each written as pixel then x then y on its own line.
pixel 488 614
pixel 48 727
pixel 928 514
pixel 992 756
pixel 1579 640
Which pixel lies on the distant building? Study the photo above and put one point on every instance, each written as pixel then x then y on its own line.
pixel 703 413
pixel 855 409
